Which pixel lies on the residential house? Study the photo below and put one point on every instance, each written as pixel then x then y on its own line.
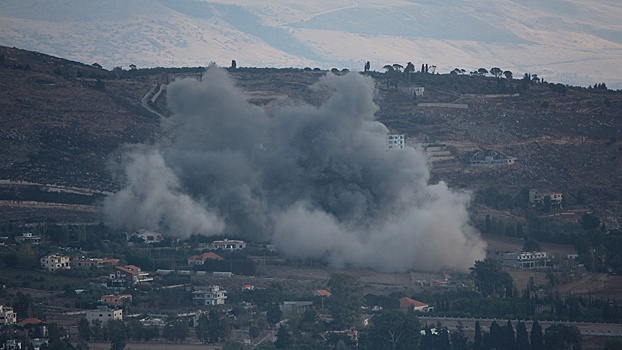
pixel 116 300
pixel 35 328
pixel 103 314
pixel 212 296
pixel 55 262
pixel 414 305
pixel 489 159
pixel 87 263
pixel 7 315
pixel 537 197
pixel 200 259
pixel 28 237
pixel 395 141
pixel 128 276
pixel 147 236
pixel 525 260
pixel 227 244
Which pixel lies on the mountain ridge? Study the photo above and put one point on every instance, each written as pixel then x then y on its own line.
pixel 572 42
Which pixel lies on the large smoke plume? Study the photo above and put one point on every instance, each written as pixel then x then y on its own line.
pixel 318 181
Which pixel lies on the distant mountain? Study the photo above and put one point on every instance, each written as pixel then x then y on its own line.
pixel 570 41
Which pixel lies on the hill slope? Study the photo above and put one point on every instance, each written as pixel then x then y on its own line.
pixel 63 121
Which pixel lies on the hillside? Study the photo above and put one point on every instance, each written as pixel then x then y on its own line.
pixel 570 41
pixel 63 121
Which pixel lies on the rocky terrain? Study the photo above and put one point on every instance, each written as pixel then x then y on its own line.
pixel 63 121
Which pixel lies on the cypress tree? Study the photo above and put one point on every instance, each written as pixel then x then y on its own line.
pixel 537 340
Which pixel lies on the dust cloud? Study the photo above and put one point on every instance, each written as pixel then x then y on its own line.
pixel 317 181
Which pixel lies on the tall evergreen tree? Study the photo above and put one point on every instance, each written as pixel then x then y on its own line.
pixel 522 338
pixel 495 335
pixel 477 340
pixel 507 337
pixel 537 340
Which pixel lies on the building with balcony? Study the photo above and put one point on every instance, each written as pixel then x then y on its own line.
pixel 212 296
pixel 55 262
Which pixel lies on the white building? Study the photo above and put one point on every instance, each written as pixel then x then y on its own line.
pixel 228 245
pixel 526 260
pixel 55 262
pixel 103 314
pixel 538 196
pixel 213 296
pixel 7 316
pixel 147 236
pixel 28 237
pixel 395 141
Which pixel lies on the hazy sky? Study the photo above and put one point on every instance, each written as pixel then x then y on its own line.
pixel 571 41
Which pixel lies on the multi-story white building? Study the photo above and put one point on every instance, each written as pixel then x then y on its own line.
pixel 127 277
pixel 55 262
pixel 103 314
pixel 212 296
pixel 538 196
pixel 7 316
pixel 525 259
pixel 395 141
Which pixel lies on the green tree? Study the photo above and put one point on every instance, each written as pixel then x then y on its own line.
pixel 346 298
pixel 490 279
pixel 118 334
pixel 394 330
pixel 477 339
pixel 201 329
pixel 496 71
pixel 537 340
pixel 175 329
pixel 135 329
pixel 233 345
pixel 26 257
pixel 283 338
pixel 274 314
pixel 508 75
pixel 84 331
pixel 522 338
pixel 562 337
pixel 613 344
pixel 531 245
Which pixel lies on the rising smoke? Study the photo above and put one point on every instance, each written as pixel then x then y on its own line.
pixel 318 181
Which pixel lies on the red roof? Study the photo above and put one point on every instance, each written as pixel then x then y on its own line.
pixel 126 270
pixel 323 292
pixel 408 302
pixel 206 256
pixel 29 321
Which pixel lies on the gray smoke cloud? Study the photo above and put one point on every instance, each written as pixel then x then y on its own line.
pixel 318 181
